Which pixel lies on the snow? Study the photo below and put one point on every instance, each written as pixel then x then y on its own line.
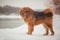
pixel 19 33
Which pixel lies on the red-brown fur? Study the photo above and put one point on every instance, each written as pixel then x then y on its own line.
pixel 31 20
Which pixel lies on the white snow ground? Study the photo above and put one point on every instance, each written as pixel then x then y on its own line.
pixel 19 33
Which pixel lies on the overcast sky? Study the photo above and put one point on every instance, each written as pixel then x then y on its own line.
pixel 35 4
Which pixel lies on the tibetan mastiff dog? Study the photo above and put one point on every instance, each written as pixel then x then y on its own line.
pixel 33 18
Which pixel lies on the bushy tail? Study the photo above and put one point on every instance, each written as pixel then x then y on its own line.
pixel 49 10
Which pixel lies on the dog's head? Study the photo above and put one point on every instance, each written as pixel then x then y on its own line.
pixel 25 12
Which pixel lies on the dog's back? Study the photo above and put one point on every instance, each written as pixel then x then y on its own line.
pixel 42 14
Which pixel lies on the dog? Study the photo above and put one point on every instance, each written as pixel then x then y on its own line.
pixel 33 18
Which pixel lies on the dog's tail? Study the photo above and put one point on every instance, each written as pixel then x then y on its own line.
pixel 49 10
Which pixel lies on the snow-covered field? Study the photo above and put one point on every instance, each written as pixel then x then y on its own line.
pixel 19 33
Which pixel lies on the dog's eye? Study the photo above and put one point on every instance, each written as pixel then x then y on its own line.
pixel 23 14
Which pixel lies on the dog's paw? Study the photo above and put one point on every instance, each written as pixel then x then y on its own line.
pixel 52 34
pixel 45 34
pixel 29 33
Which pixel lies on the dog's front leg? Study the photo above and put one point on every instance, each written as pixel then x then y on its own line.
pixel 30 29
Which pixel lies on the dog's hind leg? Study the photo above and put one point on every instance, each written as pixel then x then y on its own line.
pixel 46 28
pixel 51 28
